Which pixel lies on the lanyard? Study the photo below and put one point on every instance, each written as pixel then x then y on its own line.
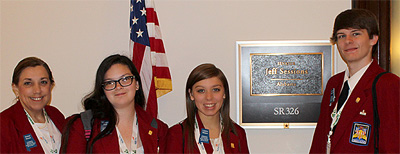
pixel 335 119
pixel 217 143
pixel 49 136
pixel 136 144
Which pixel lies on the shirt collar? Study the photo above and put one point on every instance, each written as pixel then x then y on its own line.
pixel 356 77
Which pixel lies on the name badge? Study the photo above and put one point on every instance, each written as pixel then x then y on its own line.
pixel 29 142
pixel 360 133
pixel 332 98
pixel 103 125
pixel 204 136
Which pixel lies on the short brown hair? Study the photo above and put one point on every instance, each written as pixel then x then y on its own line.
pixel 357 19
pixel 30 62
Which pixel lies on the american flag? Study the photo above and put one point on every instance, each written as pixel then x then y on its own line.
pixel 148 53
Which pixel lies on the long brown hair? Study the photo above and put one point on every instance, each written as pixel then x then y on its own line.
pixel 201 72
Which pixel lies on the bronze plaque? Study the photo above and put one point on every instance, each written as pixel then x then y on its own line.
pixel 281 83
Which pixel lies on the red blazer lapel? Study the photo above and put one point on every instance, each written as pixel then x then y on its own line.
pixel 147 130
pixel 24 128
pixel 324 121
pixel 232 145
pixel 148 135
pixel 55 116
pixel 338 89
pixel 107 144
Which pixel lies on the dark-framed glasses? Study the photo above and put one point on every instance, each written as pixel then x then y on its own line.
pixel 112 84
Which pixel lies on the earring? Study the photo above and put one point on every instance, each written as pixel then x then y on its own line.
pixel 17 98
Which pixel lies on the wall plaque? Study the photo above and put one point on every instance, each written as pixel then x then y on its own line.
pixel 281 83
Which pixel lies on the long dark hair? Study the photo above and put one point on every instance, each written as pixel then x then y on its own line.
pixel 201 72
pixel 98 102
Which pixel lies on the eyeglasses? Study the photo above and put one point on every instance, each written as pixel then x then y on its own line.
pixel 112 84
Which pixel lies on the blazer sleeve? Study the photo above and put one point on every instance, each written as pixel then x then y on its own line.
pixel 76 139
pixel 243 140
pixel 174 141
pixel 388 94
pixel 6 135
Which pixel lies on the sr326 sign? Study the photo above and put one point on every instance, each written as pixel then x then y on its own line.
pixel 281 111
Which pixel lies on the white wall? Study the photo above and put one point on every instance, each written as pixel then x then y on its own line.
pixel 74 36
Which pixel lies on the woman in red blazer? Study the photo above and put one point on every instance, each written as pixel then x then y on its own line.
pixel 31 125
pixel 208 127
pixel 117 122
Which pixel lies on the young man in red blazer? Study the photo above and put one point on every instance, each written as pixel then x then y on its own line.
pixel 346 122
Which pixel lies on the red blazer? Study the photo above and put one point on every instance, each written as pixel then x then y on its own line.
pixel 359 109
pixel 151 137
pixel 236 144
pixel 14 125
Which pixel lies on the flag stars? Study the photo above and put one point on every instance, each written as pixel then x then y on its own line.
pixel 143 11
pixel 139 33
pixel 139 1
pixel 131 8
pixel 134 20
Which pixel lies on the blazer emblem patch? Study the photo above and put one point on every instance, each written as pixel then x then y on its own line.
pixel 360 133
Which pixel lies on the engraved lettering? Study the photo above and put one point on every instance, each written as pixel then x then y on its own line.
pixel 281 111
pixel 285 74
pixel 286 63
pixel 286 111
pixel 276 111
pixel 285 84
pixel 271 71
pixel 293 71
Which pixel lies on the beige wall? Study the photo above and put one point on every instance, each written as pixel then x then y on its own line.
pixel 74 36
pixel 395 38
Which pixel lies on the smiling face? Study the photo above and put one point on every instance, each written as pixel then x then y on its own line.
pixel 355 46
pixel 33 89
pixel 120 97
pixel 208 95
